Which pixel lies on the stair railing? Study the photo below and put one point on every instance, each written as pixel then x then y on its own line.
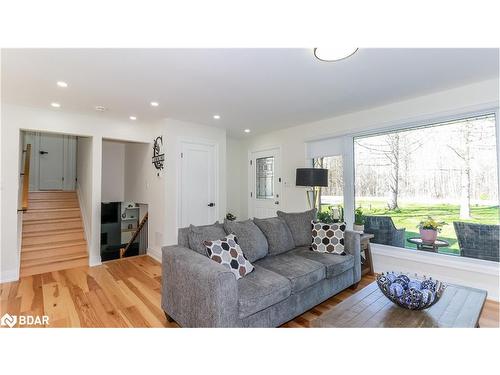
pixel 123 250
pixel 26 179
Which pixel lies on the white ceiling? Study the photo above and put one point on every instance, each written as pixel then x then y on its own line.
pixel 260 89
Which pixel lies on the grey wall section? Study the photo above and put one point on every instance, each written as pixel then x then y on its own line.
pixel 113 171
pixel 84 178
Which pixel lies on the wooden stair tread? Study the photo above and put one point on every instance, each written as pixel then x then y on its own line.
pixel 53 245
pixel 53 259
pixel 58 220
pixel 53 209
pixel 25 255
pixel 52 232
pixel 58 266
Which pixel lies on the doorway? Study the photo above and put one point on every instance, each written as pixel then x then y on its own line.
pixel 53 161
pixel 264 183
pixel 199 183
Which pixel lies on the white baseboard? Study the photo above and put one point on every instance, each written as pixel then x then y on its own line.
pixel 470 272
pixel 9 275
pixel 95 261
pixel 154 253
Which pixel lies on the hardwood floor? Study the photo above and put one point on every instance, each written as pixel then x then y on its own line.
pixel 126 293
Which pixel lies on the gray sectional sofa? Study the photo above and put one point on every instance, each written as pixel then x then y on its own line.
pixel 288 278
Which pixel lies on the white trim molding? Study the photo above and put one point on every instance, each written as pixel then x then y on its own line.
pixel 154 253
pixel 9 275
pixel 475 273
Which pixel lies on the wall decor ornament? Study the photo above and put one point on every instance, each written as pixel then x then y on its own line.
pixel 158 158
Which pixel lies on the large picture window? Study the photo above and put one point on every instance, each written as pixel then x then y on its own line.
pixel 446 172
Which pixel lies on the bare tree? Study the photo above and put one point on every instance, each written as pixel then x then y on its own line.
pixel 469 137
pixel 396 148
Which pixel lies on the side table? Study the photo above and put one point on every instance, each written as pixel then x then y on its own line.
pixel 366 256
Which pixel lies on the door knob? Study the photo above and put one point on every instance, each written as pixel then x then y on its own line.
pixel 211 205
pixel 43 152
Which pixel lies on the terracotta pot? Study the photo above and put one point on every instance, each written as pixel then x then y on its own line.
pixel 428 235
pixel 358 228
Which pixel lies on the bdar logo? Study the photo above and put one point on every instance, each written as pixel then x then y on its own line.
pixel 8 320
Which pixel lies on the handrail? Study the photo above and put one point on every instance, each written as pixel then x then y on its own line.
pixel 26 178
pixel 134 236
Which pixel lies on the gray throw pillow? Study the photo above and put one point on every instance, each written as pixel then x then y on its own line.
pixel 197 235
pixel 277 233
pixel 300 225
pixel 252 241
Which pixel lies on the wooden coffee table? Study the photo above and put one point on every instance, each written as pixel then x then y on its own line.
pixel 458 307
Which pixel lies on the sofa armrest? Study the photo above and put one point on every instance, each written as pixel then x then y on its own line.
pixel 352 245
pixel 196 291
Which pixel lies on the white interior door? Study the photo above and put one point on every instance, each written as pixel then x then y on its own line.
pixel 198 188
pixel 51 152
pixel 265 183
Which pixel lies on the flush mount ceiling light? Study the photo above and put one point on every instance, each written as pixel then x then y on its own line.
pixel 154 104
pixel 216 117
pixel 133 118
pixel 100 108
pixel 247 130
pixel 62 84
pixel 55 105
pixel 334 53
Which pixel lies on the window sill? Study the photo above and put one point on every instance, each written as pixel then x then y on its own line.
pixel 463 263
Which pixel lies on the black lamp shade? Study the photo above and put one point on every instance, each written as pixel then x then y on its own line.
pixel 311 177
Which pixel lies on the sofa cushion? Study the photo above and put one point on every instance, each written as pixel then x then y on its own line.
pixel 335 264
pixel 260 289
pixel 301 272
pixel 277 233
pixel 227 252
pixel 328 238
pixel 300 225
pixel 250 238
pixel 197 235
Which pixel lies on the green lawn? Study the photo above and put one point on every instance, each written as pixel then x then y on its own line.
pixel 409 215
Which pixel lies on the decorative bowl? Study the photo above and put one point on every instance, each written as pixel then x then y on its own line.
pixel 412 294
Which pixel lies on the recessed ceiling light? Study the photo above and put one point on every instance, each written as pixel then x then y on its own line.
pixel 55 105
pixel 133 118
pixel 247 130
pixel 62 84
pixel 216 117
pixel 100 108
pixel 334 53
pixel 154 104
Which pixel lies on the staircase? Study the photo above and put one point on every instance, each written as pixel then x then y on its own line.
pixel 53 234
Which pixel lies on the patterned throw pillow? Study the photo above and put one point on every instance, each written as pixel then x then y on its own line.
pixel 227 252
pixel 328 238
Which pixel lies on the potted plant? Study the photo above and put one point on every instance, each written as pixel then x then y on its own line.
pixel 359 220
pixel 429 229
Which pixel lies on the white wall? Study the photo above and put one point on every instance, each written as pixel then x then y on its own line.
pixel 113 171
pixel 16 118
pixel 142 185
pixel 293 140
pixel 175 132
pixel 84 183
pixel 236 176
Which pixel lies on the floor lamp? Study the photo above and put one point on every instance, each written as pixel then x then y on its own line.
pixel 312 178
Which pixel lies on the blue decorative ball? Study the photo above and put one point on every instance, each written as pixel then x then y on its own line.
pixel 396 289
